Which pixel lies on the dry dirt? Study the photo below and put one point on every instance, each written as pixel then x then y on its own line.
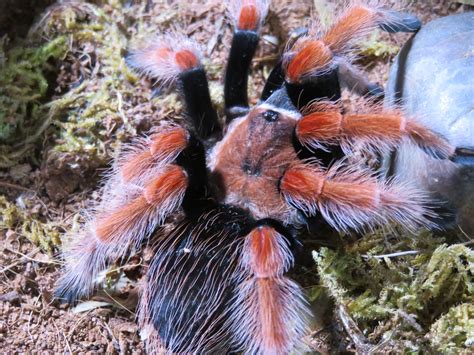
pixel 30 320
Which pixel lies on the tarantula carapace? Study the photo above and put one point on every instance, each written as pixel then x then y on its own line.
pixel 222 203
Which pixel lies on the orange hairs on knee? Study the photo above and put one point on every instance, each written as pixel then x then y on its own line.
pixel 141 215
pixel 352 198
pixel 248 15
pixel 270 311
pixel 377 128
pixel 161 148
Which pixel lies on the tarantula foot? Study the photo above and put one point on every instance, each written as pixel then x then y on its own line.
pixel 376 91
pixel 401 22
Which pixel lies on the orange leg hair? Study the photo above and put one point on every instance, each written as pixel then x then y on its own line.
pixel 381 130
pixel 142 190
pixel 248 15
pixel 166 57
pixel 352 198
pixel 160 197
pixel 311 56
pixel 163 147
pixel 270 313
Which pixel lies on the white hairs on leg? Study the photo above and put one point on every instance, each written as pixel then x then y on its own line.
pixel 165 57
pixel 269 312
pixel 354 198
pixel 247 14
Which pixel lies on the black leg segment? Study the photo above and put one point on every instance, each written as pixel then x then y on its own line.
pixel 324 86
pixel 191 281
pixel 198 102
pixel 400 22
pixel 244 44
pixel 275 81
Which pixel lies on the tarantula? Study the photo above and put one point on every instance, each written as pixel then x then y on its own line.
pixel 222 203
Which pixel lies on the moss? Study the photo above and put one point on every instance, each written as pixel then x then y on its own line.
pixel 408 292
pixel 23 88
pixel 453 333
pixel 376 46
pixel 97 99
pixel 44 235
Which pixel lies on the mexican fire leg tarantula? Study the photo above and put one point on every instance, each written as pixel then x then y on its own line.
pixel 222 203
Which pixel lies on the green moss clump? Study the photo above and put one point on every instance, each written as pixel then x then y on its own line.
pixel 453 333
pixel 406 294
pixel 23 89
pixel 375 46
pixel 44 235
pixel 96 102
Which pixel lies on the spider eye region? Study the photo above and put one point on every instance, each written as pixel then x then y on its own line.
pixel 251 169
pixel 270 115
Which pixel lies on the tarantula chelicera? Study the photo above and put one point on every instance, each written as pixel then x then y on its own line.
pixel 222 203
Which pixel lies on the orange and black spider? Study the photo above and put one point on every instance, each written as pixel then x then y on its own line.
pixel 223 203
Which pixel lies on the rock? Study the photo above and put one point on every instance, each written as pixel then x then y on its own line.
pixel 60 186
pixel 433 78
pixel 13 297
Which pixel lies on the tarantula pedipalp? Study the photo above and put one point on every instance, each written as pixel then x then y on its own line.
pixel 217 282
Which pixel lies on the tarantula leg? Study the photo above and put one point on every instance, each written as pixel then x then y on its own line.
pixel 198 102
pixel 350 76
pixel 154 178
pixel 325 86
pixel 173 58
pixel 248 17
pixel 269 313
pixel 400 22
pixel 159 149
pixel 357 82
pixel 112 232
pixel 85 260
pixel 189 285
pixel 352 198
pixel 377 128
pixel 145 212
pixel 147 157
pixel 276 79
pixel 311 63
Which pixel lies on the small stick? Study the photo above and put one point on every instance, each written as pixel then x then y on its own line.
pixel 15 186
pixel 400 253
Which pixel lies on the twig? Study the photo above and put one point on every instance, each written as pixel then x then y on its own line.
pixel 119 303
pixel 400 253
pixel 360 341
pixel 20 261
pixel 125 266
pixel 32 259
pixel 12 265
pixel 64 336
pixel 268 58
pixel 470 239
pixel 214 40
pixel 15 186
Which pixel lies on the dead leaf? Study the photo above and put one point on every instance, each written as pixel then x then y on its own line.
pixel 89 305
